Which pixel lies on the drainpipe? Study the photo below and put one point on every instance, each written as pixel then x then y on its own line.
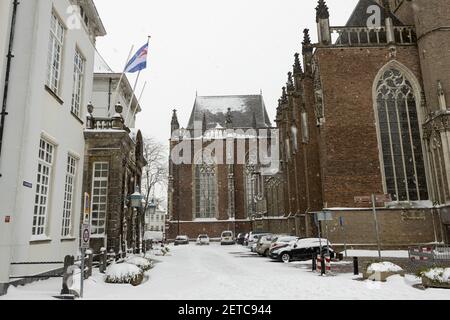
pixel 109 94
pixel 308 198
pixel 8 71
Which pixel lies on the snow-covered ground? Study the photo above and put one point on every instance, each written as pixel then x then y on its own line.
pixel 233 273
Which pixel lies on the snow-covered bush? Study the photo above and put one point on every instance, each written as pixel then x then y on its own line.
pixel 124 273
pixel 140 262
pixel 439 275
pixel 149 255
pixel 384 267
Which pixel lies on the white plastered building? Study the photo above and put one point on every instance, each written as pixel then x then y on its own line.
pixel 41 163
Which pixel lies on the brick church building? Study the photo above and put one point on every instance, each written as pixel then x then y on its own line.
pixel 367 112
pixel 228 193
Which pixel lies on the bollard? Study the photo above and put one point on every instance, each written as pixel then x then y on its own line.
pixel 314 263
pixel 355 266
pixel 90 262
pixel 103 260
pixel 323 265
pixel 67 274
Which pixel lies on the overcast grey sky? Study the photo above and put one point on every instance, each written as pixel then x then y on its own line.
pixel 215 47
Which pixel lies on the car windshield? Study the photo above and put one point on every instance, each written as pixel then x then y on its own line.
pixel 203 237
pixel 286 239
pixel 227 234
pixel 312 243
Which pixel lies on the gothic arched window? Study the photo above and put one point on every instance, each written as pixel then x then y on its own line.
pixel 275 197
pixel 250 189
pixel 401 142
pixel 205 191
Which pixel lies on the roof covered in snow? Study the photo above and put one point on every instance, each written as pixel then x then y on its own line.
pixel 244 109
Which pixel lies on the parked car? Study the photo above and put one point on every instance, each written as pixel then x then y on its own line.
pixel 240 239
pixel 227 238
pixel 302 250
pixel 250 237
pixel 253 238
pixel 203 239
pixel 263 245
pixel 281 241
pixel 182 240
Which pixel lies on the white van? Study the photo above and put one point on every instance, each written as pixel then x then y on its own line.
pixel 227 238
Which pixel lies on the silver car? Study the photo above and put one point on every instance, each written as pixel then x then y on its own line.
pixel 203 239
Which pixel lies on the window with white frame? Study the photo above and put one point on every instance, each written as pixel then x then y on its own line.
pixel 401 142
pixel 78 83
pixel 99 198
pixel 71 171
pixel 46 154
pixel 55 51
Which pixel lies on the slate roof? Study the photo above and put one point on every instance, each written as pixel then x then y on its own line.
pixel 243 110
pixel 360 16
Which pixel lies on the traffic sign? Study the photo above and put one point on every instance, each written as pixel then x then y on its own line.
pixel 85 236
pixel 384 198
pixel 87 208
pixel 324 216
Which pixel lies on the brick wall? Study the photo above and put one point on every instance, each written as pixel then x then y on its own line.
pixel 432 23
pixel 349 145
pixel 116 148
pixel 398 228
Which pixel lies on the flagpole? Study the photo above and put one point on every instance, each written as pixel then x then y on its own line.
pixel 116 93
pixel 132 95
pixel 139 100
pixel 134 88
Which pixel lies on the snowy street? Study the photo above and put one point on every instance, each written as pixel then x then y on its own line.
pixel 233 273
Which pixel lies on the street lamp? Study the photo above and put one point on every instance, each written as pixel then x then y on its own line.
pixel 136 200
pixel 136 203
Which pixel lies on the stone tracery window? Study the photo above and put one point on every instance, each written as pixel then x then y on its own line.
pixel 275 197
pixel 401 143
pixel 205 191
pixel 250 189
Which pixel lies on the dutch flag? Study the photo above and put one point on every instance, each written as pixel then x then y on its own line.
pixel 139 61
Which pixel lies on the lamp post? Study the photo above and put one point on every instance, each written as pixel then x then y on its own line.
pixel 136 203
pixel 152 212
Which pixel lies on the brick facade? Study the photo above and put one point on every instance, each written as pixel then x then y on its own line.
pixel 330 144
pixel 230 186
pixel 335 89
pixel 122 150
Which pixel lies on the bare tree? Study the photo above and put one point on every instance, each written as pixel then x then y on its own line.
pixel 155 172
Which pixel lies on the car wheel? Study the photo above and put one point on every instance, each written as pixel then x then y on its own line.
pixel 286 257
pixel 266 253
